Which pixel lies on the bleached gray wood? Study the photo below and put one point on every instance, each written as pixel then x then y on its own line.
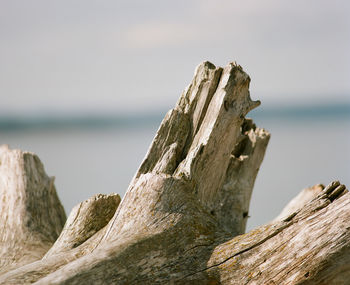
pixel 209 142
pixel 182 217
pixel 231 204
pixel 85 226
pixel 31 215
pixel 84 221
pixel 310 246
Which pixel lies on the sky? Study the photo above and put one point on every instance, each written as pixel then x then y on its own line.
pixel 137 56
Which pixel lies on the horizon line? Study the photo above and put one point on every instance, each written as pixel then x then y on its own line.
pixel 121 120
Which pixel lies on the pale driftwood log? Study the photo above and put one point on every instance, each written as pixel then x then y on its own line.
pixel 310 246
pixel 182 217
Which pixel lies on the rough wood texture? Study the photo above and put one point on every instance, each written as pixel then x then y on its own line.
pixel 85 220
pixel 183 216
pixel 206 140
pixel 84 228
pixel 310 246
pixel 31 215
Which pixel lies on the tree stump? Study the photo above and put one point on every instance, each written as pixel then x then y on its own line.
pixel 183 217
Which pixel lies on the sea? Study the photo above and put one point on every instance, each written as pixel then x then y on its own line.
pixel 90 154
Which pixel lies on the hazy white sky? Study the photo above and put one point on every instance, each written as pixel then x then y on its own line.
pixel 139 55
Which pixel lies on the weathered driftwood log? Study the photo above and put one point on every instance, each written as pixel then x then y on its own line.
pixel 182 218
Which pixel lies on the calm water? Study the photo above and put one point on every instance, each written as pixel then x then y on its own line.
pixel 302 152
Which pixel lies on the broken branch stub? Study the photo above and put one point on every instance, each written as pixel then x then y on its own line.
pixel 198 141
pixel 84 221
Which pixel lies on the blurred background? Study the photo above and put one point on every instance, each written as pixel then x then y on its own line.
pixel 85 85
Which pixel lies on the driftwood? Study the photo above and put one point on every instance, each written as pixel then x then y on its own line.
pixel 183 217
pixel 31 214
